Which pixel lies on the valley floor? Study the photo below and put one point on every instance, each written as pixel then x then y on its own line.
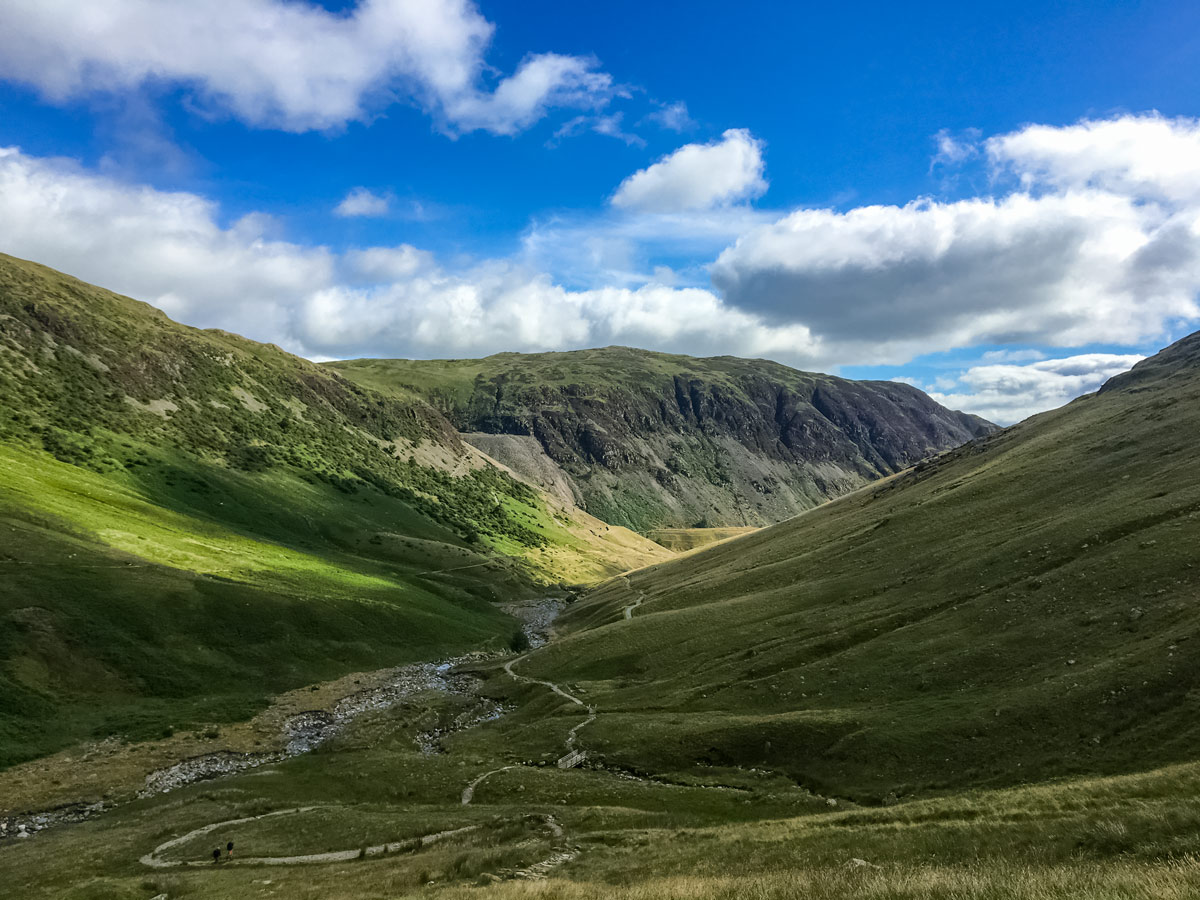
pixel 403 800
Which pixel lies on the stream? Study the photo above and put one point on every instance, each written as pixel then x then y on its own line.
pixel 305 731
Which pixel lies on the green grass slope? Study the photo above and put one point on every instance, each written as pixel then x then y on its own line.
pixel 681 540
pixel 1021 608
pixel 190 521
pixel 651 440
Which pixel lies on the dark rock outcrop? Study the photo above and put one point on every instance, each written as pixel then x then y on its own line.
pixel 652 440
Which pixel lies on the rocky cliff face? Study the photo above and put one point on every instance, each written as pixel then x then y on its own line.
pixel 650 440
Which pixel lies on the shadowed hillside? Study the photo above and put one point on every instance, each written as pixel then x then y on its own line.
pixel 650 440
pixel 1020 608
pixel 193 521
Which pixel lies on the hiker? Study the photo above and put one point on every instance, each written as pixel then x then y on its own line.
pixel 229 849
pixel 217 855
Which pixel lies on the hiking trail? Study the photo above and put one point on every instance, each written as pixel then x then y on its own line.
pixel 641 597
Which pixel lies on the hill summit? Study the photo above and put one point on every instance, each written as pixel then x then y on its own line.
pixel 650 440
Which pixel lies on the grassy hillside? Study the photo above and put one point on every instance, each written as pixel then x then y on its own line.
pixel 683 539
pixel 652 440
pixel 881 698
pixel 1018 609
pixel 192 521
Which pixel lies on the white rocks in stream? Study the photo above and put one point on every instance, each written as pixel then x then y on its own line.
pixel 306 731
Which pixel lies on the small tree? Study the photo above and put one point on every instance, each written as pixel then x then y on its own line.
pixel 519 642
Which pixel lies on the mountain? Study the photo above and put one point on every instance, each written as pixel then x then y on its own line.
pixel 192 520
pixel 1020 608
pixel 652 440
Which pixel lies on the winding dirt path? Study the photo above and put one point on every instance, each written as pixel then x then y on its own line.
pixel 641 598
pixel 468 793
pixel 573 733
pixel 154 860
pixel 550 684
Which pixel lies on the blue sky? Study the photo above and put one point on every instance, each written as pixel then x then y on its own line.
pixel 997 202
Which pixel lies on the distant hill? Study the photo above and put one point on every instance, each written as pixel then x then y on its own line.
pixel 652 440
pixel 1020 608
pixel 190 521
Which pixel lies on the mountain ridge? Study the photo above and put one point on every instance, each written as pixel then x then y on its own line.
pixel 649 439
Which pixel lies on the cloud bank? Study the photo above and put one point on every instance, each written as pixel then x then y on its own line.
pixel 1099 242
pixel 1095 240
pixel 1008 393
pixel 170 250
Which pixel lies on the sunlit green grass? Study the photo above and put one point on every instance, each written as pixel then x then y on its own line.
pixel 190 522
pixel 119 615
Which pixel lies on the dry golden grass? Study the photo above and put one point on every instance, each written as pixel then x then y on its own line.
pixel 995 881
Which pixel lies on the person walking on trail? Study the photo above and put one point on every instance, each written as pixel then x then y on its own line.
pixel 217 855
pixel 229 850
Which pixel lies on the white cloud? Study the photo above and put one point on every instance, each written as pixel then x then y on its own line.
pixel 697 176
pixel 954 151
pixel 362 202
pixel 540 82
pixel 672 116
pixel 1101 244
pixel 168 249
pixel 1148 156
pixel 164 248
pixel 1012 356
pixel 943 383
pixel 1008 393
pixel 291 65
pixel 608 125
pixel 378 265
pixel 497 306
pixel 1062 269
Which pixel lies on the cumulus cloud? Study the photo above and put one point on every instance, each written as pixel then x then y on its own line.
pixel 362 202
pixel 498 306
pixel 1146 156
pixel 1099 244
pixel 161 247
pixel 376 265
pixel 1008 393
pixel 170 250
pixel 697 176
pixel 291 64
